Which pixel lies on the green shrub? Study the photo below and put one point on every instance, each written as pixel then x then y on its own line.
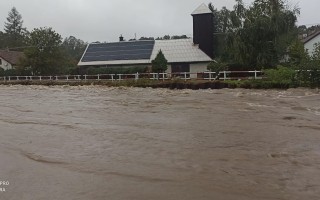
pixel 281 74
pixel 1 71
pixel 217 66
pixel 15 72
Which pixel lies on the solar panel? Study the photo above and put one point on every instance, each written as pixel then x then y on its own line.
pixel 136 50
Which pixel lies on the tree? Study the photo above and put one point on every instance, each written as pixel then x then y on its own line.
pixel 14 29
pixel 3 40
pixel 303 30
pixel 160 63
pixel 44 56
pixel 176 37
pixel 315 66
pixel 258 35
pixel 217 67
pixel 298 56
pixel 146 38
pixel 73 49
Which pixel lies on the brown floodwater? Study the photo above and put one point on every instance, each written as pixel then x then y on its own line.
pixel 98 143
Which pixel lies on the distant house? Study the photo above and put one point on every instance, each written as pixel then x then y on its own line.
pixel 183 55
pixel 10 59
pixel 310 41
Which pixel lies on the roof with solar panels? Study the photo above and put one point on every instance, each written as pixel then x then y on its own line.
pixel 142 52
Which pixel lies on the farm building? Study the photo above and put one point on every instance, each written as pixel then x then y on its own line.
pixel 183 55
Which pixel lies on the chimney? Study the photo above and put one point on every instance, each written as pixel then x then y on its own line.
pixel 203 29
pixel 121 38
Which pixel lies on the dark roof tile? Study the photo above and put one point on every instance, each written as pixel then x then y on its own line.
pixel 13 57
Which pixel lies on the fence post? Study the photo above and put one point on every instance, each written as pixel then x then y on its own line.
pixel 56 78
pixel 112 77
pixel 137 76
pixel 67 77
pixel 85 77
pixel 225 75
pixel 98 77
pixel 255 74
pixel 120 77
pixel 40 78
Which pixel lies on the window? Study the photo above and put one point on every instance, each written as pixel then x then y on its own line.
pixel 178 69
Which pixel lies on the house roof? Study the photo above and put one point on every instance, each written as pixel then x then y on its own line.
pixel 182 50
pixel 138 50
pixel 202 9
pixel 142 52
pixel 12 57
pixel 307 39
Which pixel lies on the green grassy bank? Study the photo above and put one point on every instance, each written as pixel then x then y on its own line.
pixel 171 84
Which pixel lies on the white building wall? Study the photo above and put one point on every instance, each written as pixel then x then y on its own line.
pixel 310 45
pixel 5 65
pixel 169 69
pixel 194 69
pixel 198 68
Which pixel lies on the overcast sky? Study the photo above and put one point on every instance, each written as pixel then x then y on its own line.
pixel 105 20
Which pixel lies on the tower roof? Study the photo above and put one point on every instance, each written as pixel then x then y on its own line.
pixel 202 9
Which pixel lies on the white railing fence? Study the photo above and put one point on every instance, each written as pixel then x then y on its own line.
pixel 223 75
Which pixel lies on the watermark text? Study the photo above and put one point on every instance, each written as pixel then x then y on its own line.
pixel 4 185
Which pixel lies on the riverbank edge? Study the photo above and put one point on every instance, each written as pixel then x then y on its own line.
pixel 170 84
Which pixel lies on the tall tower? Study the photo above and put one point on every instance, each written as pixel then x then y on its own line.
pixel 203 29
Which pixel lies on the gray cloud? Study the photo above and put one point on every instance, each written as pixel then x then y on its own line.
pixel 101 20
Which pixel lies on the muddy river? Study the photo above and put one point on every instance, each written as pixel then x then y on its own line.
pixel 99 143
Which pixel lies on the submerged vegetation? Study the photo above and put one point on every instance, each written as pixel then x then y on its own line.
pixel 170 84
